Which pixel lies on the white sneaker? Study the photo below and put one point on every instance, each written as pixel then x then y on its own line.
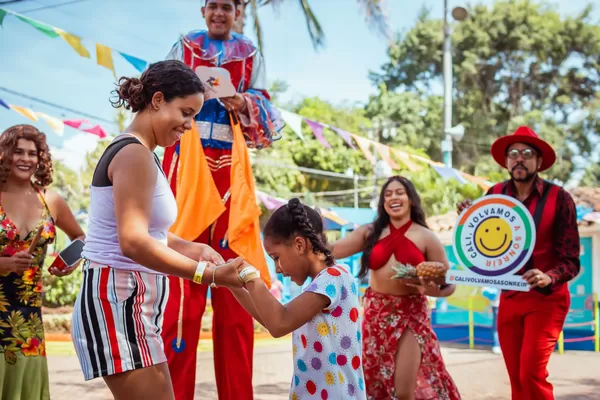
pixel 496 350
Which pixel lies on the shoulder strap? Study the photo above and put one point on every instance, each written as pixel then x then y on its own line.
pixel 100 178
pixel 537 219
pixel 539 208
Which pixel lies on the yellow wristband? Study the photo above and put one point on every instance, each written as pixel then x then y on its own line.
pixel 199 272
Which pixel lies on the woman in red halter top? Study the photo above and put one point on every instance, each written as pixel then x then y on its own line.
pixel 401 353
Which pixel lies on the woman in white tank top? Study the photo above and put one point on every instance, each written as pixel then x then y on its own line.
pixel 118 314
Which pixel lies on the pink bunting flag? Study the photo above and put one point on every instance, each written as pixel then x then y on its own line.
pixel 317 129
pixel 75 123
pixel 97 130
pixel 347 136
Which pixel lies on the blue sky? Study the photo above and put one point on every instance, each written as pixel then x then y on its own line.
pixel 49 69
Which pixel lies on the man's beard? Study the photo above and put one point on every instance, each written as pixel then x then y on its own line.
pixel 528 177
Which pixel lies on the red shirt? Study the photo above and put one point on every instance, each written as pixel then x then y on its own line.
pixel 565 231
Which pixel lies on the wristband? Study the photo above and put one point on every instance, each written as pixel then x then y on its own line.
pixel 249 274
pixel 200 268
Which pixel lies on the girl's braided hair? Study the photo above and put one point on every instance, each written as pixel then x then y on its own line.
pixel 296 218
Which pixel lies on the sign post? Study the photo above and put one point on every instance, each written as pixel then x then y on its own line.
pixel 493 240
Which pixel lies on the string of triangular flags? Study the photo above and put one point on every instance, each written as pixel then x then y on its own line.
pixel 104 54
pixel 57 125
pixel 294 121
pixel 104 57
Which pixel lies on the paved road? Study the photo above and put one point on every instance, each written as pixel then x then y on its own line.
pixel 478 374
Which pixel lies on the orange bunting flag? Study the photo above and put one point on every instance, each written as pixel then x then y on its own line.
pixel 384 153
pixel 363 145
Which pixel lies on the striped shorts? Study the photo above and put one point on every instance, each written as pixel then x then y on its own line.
pixel 117 320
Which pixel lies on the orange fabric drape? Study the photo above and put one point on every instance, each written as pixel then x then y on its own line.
pixel 244 228
pixel 198 200
pixel 199 203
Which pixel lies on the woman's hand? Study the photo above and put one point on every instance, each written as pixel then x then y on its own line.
pixel 430 288
pixel 65 271
pixel 17 263
pixel 203 252
pixel 226 274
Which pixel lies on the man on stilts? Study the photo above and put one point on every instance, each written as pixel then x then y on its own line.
pixel 210 173
pixel 529 323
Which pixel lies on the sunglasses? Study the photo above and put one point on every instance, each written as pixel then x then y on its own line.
pixel 527 154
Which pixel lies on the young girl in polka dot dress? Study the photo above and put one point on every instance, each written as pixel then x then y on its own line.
pixel 324 319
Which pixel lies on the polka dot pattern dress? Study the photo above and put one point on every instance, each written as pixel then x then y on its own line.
pixel 328 349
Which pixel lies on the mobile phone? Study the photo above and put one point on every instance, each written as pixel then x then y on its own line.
pixel 69 256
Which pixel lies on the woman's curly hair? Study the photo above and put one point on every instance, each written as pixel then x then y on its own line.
pixel 8 143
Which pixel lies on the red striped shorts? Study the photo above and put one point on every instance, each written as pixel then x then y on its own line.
pixel 117 320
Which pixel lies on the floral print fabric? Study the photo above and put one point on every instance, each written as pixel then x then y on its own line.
pixel 21 327
pixel 386 318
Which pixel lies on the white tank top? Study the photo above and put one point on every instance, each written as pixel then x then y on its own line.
pixel 102 243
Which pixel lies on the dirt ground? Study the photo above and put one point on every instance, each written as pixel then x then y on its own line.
pixel 479 374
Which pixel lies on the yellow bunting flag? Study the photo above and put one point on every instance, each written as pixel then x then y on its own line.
pixel 74 42
pixel 405 159
pixel 104 57
pixel 56 124
pixel 422 159
pixel 363 145
pixel 26 112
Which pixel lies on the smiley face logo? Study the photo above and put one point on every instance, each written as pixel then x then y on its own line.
pixel 493 237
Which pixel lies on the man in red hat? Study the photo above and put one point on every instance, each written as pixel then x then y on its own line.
pixel 529 323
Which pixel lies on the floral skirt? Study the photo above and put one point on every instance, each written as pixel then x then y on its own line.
pixel 386 317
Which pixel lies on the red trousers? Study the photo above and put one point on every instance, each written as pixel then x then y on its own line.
pixel 233 327
pixel 529 325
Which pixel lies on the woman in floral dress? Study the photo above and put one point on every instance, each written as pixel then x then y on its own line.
pixel 25 205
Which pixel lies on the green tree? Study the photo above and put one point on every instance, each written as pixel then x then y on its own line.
pixel 516 62
pixel 438 195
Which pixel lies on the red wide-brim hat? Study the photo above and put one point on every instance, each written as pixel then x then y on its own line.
pixel 525 135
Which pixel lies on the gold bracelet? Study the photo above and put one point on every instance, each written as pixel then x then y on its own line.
pixel 199 273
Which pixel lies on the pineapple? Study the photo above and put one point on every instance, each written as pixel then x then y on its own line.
pixel 431 270
pixel 404 271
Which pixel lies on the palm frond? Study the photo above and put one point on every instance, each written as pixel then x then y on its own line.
pixel 317 36
pixel 376 16
pixel 254 4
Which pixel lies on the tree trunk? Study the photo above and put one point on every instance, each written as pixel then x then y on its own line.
pixel 238 24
